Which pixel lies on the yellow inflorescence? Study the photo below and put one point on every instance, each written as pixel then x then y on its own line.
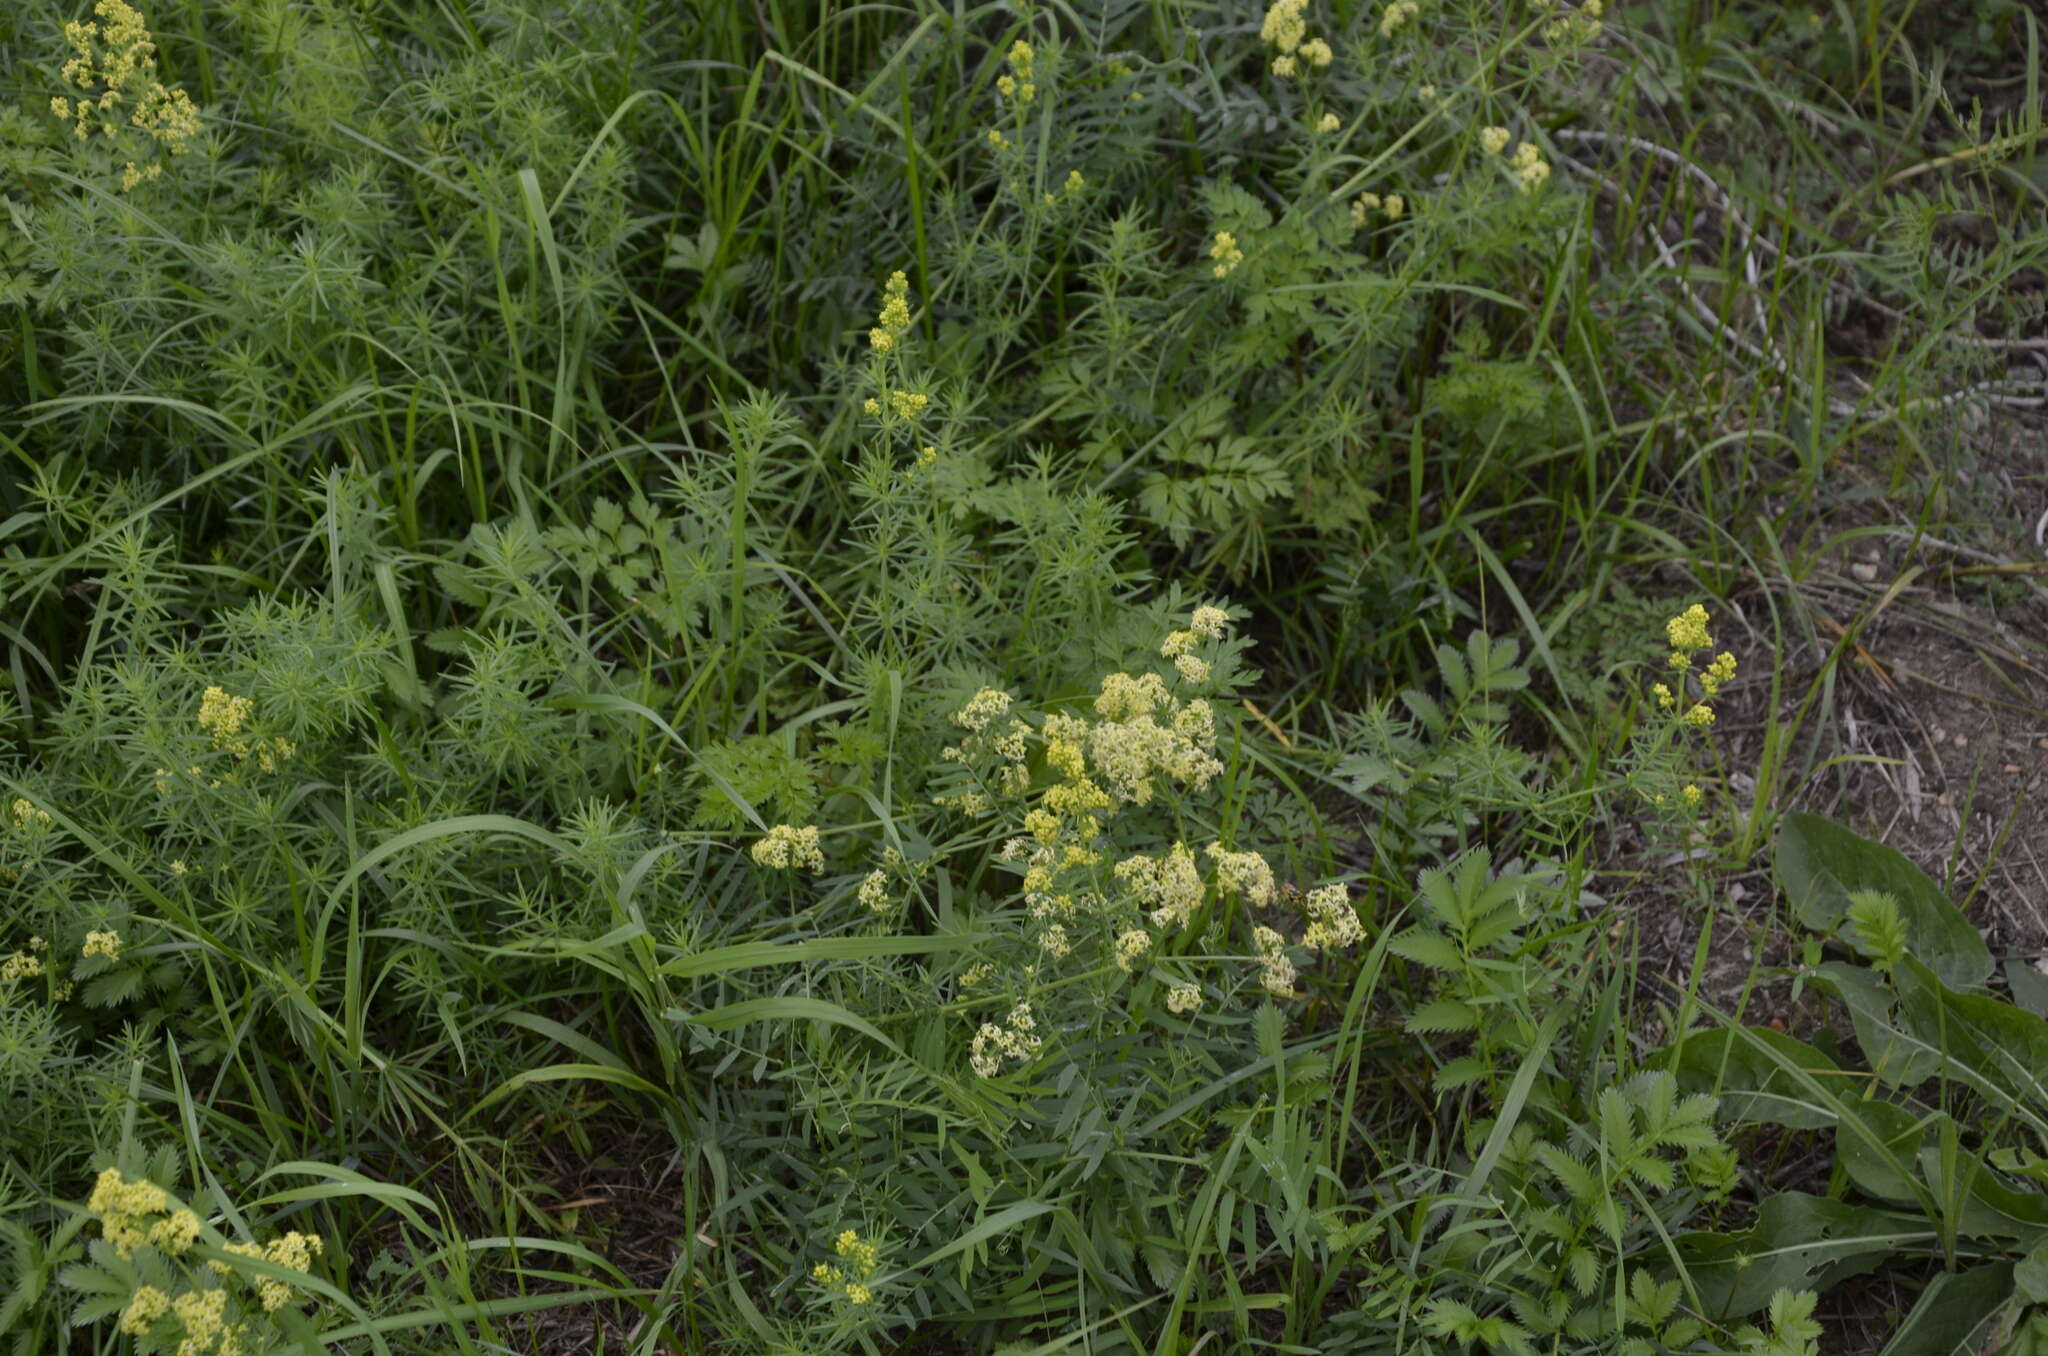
pixel 1226 253
pixel 28 816
pixel 787 848
pixel 1276 972
pixel 895 315
pixel 1529 166
pixel 20 965
pixel 113 64
pixel 145 1306
pixel 104 944
pixel 224 716
pixel 1396 14
pixel 1183 998
pixel 293 1250
pixel 1016 1038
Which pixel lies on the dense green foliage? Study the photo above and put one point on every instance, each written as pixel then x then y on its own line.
pixel 1000 660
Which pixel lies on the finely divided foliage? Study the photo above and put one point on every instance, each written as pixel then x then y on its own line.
pixel 998 678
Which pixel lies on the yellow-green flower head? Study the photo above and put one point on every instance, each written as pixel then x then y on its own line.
pixel 1688 630
pixel 103 944
pixel 222 714
pixel 788 848
pixel 1284 27
pixel 1691 795
pixel 1700 716
pixel 1183 998
pixel 1397 14
pixel 1227 254
pixel 28 816
pixel 145 1306
pixel 1718 674
pixel 1317 53
pixel 1493 140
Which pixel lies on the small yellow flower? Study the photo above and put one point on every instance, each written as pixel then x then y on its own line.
pixel 1493 140
pixel 1317 53
pixel 1328 123
pixel 1006 85
pixel 871 407
pixel 1663 695
pixel 145 1307
pixel 1700 716
pixel 857 1293
pixel 1283 67
pixel 222 714
pixel 1718 674
pixel 1227 254
pixel 1395 206
pixel 788 848
pixel 1183 998
pixel 1397 14
pixel 21 965
pixel 104 944
pixel 1284 26
pixel 908 404
pixel 1075 183
pixel 27 815
pixel 1691 795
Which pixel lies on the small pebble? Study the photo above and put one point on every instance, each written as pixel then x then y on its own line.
pixel 1863 571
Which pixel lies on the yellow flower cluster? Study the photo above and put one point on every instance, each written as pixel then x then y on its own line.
pixel 1244 873
pixel 24 964
pixel 106 944
pixel 1494 140
pixel 787 848
pixel 1396 14
pixel 1579 25
pixel 124 1208
pixel 293 1250
pixel 1328 123
pixel 223 716
pixel 1531 170
pixel 988 704
pixel 1146 732
pixel 874 891
pixel 27 815
pixel 1131 944
pixel 895 316
pixel 1688 635
pixel 1015 1039
pixel 1169 888
pixel 204 1316
pixel 860 1257
pixel 1016 82
pixel 1226 253
pixel 145 1307
pixel 1276 972
pixel 114 63
pixel 1286 31
pixel 1333 923
pixel 1183 998
pixel 1365 204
